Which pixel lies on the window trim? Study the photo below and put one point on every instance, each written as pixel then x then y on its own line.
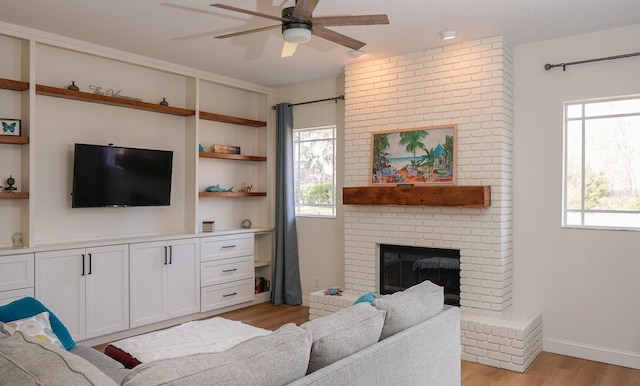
pixel 565 195
pixel 334 140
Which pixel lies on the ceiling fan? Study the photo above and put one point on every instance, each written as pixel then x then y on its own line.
pixel 298 24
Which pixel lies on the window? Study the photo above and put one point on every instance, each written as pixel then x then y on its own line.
pixel 314 163
pixel 602 163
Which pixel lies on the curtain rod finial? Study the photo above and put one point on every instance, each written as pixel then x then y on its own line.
pixel 547 66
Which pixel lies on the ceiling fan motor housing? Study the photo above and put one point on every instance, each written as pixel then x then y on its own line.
pixel 298 25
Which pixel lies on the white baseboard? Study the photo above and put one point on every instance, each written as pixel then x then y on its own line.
pixel 592 353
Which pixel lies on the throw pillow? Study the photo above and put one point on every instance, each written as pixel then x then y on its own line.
pixel 37 327
pixel 410 307
pixel 25 361
pixel 275 359
pixel 369 297
pixel 343 333
pixel 27 307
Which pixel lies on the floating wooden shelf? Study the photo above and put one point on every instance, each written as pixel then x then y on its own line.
pixel 229 119
pixel 16 85
pixel 442 195
pixel 232 194
pixel 14 196
pixel 112 101
pixel 14 140
pixel 239 157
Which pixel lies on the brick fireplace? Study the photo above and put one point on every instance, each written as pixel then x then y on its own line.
pixel 469 85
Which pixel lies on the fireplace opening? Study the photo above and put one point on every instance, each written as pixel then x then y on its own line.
pixel 404 266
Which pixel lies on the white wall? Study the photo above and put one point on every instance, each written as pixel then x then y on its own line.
pixel 320 240
pixel 585 282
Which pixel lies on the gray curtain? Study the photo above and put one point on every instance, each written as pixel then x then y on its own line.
pixel 285 288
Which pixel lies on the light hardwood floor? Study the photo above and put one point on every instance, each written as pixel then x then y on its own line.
pixel 548 369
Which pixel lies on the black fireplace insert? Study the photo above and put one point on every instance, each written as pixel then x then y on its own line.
pixel 404 266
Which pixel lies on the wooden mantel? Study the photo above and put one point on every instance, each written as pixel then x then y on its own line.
pixel 440 195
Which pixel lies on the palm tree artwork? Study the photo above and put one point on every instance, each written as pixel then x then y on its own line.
pixel 414 156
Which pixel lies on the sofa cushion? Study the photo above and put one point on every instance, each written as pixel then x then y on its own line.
pixel 24 361
pixel 338 335
pixel 410 307
pixel 27 307
pixel 275 359
pixel 37 327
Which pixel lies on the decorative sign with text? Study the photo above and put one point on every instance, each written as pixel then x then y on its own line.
pixel 111 93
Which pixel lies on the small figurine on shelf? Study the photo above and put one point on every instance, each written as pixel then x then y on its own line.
pixel 164 102
pixel 217 188
pixel 17 240
pixel 73 86
pixel 10 181
pixel 200 148
pixel 246 188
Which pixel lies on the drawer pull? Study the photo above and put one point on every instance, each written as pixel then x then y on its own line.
pixel 228 246
pixel 230 270
pixel 227 295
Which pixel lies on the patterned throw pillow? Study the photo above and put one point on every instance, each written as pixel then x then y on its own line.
pixel 37 326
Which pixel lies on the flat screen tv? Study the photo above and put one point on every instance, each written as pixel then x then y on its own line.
pixel 112 176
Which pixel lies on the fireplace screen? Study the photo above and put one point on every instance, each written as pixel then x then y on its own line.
pixel 402 267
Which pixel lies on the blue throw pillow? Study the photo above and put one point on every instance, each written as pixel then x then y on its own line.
pixel 28 307
pixel 369 297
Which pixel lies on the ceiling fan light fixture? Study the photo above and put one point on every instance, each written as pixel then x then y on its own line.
pixel 447 35
pixel 297 35
pixel 355 54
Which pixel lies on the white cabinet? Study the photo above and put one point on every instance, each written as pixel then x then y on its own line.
pixel 227 271
pixel 165 280
pixel 88 289
pixel 16 277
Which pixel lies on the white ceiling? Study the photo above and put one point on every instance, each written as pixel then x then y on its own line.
pixel 181 31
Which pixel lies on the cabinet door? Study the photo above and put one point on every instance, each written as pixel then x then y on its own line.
pixel 60 286
pixel 107 288
pixel 183 284
pixel 147 262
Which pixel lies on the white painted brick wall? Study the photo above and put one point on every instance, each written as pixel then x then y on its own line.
pixel 468 84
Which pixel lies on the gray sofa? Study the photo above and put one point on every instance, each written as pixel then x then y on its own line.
pixel 401 339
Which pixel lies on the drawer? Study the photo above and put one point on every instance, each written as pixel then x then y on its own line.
pixel 225 247
pixel 16 271
pixel 228 294
pixel 7 297
pixel 223 271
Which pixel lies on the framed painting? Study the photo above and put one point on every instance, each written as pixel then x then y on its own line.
pixel 10 127
pixel 423 155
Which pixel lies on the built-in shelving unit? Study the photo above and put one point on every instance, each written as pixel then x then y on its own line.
pixel 238 157
pixel 261 263
pixel 16 85
pixel 112 101
pixel 232 194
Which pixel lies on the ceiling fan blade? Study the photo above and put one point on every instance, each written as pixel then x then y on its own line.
pixel 247 32
pixel 337 38
pixel 304 9
pixel 328 21
pixel 248 12
pixel 288 49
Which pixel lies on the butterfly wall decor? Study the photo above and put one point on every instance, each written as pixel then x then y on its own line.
pixel 10 127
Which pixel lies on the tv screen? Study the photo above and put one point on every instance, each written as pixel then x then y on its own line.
pixel 111 176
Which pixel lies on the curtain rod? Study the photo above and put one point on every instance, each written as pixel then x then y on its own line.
pixel 564 65
pixel 335 99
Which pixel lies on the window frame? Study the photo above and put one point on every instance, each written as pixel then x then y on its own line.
pixel 582 211
pixel 296 178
